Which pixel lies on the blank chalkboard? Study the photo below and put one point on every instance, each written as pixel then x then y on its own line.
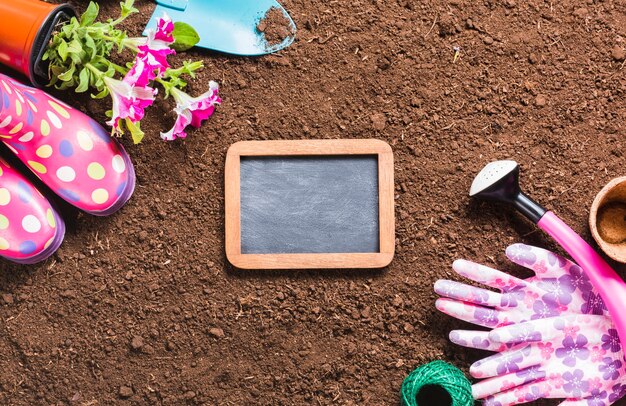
pixel 325 204
pixel 309 204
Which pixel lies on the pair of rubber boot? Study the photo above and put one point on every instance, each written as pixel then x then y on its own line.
pixel 71 153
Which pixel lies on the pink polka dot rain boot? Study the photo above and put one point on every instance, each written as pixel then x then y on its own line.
pixel 70 152
pixel 30 229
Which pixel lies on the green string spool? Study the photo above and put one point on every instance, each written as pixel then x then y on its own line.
pixel 439 380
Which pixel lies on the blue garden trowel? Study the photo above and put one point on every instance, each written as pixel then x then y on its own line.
pixel 228 26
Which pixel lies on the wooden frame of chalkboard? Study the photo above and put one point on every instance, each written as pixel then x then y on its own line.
pixel 310 148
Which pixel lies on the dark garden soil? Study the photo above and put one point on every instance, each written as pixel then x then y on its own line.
pixel 143 308
pixel 274 26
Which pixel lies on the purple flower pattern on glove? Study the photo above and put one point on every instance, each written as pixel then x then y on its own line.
pixel 543 310
pixel 580 280
pixel 610 341
pixel 530 374
pixel 535 393
pixel 597 398
pixel 576 354
pixel 610 368
pixel 480 343
pixel 617 392
pixel 525 333
pixel 574 383
pixel 559 290
pixel 490 401
pixel 522 254
pixel 512 297
pixel 573 350
pixel 509 362
pixel 488 317
pixel 554 259
pixel 593 304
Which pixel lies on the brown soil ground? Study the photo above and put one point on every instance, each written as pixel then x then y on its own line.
pixel 143 308
pixel 274 26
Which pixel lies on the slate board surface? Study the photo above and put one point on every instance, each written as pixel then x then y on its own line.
pixel 325 204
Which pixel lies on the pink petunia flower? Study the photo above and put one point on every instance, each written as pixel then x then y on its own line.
pixel 165 29
pixel 129 102
pixel 192 110
pixel 152 52
pixel 150 62
pixel 141 74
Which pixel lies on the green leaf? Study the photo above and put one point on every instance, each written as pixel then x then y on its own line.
pixel 62 50
pixel 55 71
pixel 135 131
pixel 104 93
pixel 185 37
pixel 91 46
pixel 70 27
pixel 74 47
pixel 90 15
pixel 127 8
pixel 83 81
pixel 67 75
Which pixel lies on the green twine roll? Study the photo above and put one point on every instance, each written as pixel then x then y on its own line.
pixel 437 373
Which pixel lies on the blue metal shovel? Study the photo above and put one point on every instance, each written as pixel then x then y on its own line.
pixel 228 26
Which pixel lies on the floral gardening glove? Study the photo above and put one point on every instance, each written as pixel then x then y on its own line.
pixel 552 332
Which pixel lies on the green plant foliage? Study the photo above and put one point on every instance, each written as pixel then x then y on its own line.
pixel 80 58
pixel 79 54
pixel 185 36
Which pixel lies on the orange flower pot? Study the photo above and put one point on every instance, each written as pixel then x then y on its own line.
pixel 25 29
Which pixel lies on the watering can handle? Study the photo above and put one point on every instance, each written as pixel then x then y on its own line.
pixel 180 5
pixel 611 287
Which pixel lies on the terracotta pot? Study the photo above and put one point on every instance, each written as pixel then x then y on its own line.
pixel 25 29
pixel 607 219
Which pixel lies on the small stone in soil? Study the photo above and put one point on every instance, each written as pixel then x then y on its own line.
pixel 136 343
pixel 540 100
pixel 217 332
pixel 7 298
pixel 446 25
pixel 379 121
pixel 618 53
pixel 126 391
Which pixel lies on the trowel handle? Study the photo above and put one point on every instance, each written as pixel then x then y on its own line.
pixel 607 282
pixel 180 5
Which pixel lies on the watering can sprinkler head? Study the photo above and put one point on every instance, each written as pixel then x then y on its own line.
pixel 499 181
